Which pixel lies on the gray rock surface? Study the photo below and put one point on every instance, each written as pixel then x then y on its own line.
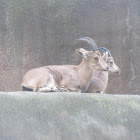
pixel 34 33
pixel 69 116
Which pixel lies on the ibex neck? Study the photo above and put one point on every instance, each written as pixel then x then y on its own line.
pixel 103 76
pixel 85 74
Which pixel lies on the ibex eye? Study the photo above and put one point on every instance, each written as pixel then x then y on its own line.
pixel 111 63
pixel 96 59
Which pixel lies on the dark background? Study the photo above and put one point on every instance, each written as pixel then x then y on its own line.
pixel 35 33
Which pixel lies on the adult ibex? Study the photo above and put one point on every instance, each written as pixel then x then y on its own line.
pixel 99 80
pixel 65 77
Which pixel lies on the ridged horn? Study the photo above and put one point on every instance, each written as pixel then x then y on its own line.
pixel 93 45
pixel 105 50
pixel 90 41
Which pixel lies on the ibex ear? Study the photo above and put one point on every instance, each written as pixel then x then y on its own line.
pixel 82 52
pixel 98 53
pixel 96 57
pixel 105 56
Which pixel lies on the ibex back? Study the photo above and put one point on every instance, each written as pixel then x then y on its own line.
pixel 65 77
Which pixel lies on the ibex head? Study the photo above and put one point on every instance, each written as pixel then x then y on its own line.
pixel 112 66
pixel 107 56
pixel 94 59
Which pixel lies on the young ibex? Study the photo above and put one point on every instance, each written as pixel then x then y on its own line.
pixel 99 80
pixel 65 77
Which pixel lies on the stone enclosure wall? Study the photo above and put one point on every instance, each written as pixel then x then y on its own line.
pixel 69 116
pixel 34 33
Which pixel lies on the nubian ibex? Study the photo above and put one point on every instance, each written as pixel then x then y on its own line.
pixel 74 78
pixel 99 80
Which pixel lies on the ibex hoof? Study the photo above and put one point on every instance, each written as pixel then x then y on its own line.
pixel 47 89
pixel 63 89
pixel 101 92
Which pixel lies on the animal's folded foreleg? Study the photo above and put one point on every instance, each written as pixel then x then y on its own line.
pixel 68 89
pixel 48 89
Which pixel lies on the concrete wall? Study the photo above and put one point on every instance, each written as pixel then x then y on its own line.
pixel 34 33
pixel 69 116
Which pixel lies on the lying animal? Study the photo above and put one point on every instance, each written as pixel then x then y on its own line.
pixel 65 77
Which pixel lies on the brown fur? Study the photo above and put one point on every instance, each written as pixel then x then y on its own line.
pixel 70 77
pixel 99 80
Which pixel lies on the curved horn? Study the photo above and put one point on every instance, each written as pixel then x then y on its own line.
pixel 99 48
pixel 105 50
pixel 91 43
